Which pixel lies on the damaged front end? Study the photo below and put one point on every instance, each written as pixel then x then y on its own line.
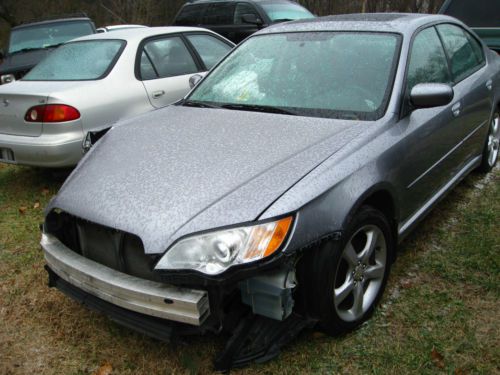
pixel 253 301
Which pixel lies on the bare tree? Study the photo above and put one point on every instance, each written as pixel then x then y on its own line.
pixel 162 12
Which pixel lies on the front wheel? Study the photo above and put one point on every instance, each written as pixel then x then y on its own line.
pixel 346 279
pixel 492 145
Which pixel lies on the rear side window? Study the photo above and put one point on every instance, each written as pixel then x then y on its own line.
pixel 210 49
pixel 166 57
pixel 463 58
pixel 476 47
pixel 427 60
pixel 190 15
pixel 219 14
pixel 78 61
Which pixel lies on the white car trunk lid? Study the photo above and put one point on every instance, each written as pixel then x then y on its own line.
pixel 13 108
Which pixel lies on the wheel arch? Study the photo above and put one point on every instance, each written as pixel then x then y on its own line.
pixel 382 197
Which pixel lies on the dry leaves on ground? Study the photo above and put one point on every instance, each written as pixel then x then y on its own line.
pixel 437 358
pixel 104 369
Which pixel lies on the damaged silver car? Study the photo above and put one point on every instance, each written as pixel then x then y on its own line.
pixel 272 198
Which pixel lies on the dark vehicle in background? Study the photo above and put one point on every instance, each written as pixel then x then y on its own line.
pixel 236 20
pixel 483 16
pixel 31 42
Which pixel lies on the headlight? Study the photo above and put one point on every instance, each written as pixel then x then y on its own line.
pixel 213 253
pixel 7 78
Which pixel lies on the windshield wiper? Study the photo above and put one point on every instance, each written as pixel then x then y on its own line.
pixel 283 20
pixel 258 108
pixel 54 45
pixel 25 50
pixel 35 48
pixel 196 103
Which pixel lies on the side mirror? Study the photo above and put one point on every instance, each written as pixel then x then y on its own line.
pixel 428 95
pixel 194 80
pixel 252 19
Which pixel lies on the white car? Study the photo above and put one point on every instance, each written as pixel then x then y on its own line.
pixel 90 83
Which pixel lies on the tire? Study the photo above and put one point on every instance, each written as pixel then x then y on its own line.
pixel 491 146
pixel 336 276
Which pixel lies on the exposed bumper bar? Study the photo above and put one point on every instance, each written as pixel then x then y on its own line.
pixel 132 293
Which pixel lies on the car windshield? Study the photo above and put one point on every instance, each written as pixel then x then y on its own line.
pixel 321 74
pixel 78 61
pixel 47 35
pixel 285 11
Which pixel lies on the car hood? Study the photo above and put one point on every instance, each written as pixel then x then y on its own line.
pixel 23 60
pixel 180 170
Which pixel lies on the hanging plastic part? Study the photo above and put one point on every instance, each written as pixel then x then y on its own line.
pixel 270 295
pixel 259 339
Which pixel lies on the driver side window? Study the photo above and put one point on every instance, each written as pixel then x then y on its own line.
pixel 241 9
pixel 428 62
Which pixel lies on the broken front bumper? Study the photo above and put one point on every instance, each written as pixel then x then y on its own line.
pixel 132 293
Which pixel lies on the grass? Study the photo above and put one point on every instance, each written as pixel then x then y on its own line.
pixel 439 314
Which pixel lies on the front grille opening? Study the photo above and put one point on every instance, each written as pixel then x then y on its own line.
pixel 112 248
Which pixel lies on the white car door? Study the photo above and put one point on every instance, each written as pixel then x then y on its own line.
pixel 165 68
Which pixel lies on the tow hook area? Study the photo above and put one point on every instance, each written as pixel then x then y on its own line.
pixel 270 325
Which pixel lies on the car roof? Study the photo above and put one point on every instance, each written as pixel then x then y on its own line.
pixel 377 22
pixel 139 33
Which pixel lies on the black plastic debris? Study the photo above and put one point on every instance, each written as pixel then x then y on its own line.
pixel 258 339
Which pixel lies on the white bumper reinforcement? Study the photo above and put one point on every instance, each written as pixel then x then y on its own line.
pixel 132 293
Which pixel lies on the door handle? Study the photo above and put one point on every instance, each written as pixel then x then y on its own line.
pixel 158 94
pixel 456 109
pixel 489 84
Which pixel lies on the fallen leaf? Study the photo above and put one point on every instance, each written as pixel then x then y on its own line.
pixel 22 209
pixel 460 371
pixel 437 358
pixel 318 335
pixel 406 284
pixel 104 369
pixel 45 191
pixel 36 205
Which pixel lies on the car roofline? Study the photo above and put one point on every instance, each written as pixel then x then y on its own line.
pixel 54 21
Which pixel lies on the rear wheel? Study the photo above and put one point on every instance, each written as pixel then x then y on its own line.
pixel 492 145
pixel 346 279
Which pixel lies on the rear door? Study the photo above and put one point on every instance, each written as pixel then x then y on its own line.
pixel 473 99
pixel 165 66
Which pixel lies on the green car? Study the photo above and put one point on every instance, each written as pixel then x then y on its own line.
pixel 483 16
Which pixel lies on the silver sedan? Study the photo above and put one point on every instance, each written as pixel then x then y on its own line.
pixel 92 82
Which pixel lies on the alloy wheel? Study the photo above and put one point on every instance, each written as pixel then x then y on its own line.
pixel 493 141
pixel 360 273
